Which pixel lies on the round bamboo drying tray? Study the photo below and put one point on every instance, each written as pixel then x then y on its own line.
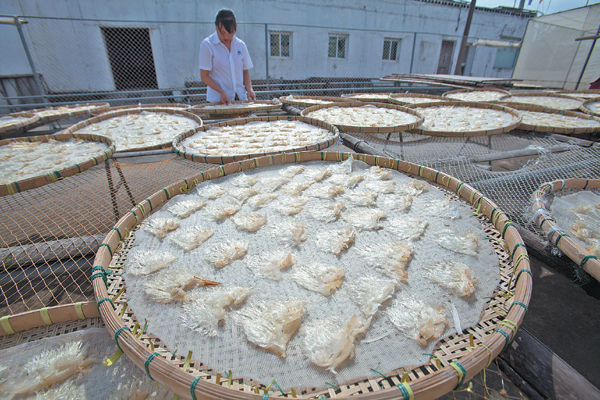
pixel 51 114
pixel 369 129
pixel 456 359
pixel 227 158
pixel 588 110
pixel 112 114
pixel 233 112
pixel 30 120
pixel 306 101
pixel 501 93
pixel 581 94
pixel 515 96
pixel 398 98
pixel 52 176
pixel 368 97
pixel 556 129
pixel 556 234
pixel 489 106
pixel 140 106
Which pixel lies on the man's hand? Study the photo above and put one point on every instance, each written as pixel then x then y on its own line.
pixel 251 94
pixel 225 99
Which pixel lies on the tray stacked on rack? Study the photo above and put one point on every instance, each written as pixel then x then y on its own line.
pixel 139 129
pixel 551 100
pixel 464 118
pixel 35 161
pixel 244 138
pixel 404 99
pixel 545 119
pixel 175 106
pixel 236 109
pixel 568 210
pixel 477 94
pixel 453 362
pixel 366 117
pixel 17 122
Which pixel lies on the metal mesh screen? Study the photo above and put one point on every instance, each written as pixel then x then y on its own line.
pixel 131 62
pixel 48 235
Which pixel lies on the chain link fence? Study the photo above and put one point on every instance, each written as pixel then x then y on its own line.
pixel 127 62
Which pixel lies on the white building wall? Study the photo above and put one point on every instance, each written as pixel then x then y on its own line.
pixel 72 56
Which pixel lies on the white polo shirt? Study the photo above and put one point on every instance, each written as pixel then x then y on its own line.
pixel 226 67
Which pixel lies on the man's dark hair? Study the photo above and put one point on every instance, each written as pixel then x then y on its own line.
pixel 226 18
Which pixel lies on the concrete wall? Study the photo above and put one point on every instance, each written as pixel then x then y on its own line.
pixel 71 54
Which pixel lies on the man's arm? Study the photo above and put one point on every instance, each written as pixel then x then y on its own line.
pixel 248 85
pixel 204 76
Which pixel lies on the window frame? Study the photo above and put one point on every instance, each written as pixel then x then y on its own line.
pixel 392 41
pixel 279 35
pixel 338 36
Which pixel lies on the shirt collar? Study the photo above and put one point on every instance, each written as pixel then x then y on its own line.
pixel 215 38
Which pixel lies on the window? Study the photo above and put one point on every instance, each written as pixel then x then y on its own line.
pixel 506 57
pixel 391 49
pixel 130 56
pixel 280 44
pixel 337 46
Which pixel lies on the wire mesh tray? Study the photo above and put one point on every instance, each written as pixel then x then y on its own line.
pixel 309 101
pixel 226 158
pixel 455 360
pixel 477 94
pixel 551 100
pixel 17 122
pixel 367 97
pixel 527 124
pixel 557 235
pixel 516 119
pixel 402 99
pixel 237 108
pixel 113 114
pixel 141 106
pixel 51 114
pixel 369 129
pixel 49 176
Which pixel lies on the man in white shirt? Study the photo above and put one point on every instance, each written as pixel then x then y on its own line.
pixel 224 63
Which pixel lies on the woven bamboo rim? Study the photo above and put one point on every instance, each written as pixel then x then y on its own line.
pixel 396 98
pixel 90 108
pixel 178 106
pixel 504 99
pixel 296 100
pixel 455 367
pixel 374 99
pixel 472 104
pixel 265 106
pixel 491 89
pixel 32 119
pixel 208 159
pixel 53 176
pixel 82 310
pixel 556 235
pixel 370 129
pixel 585 108
pixel 131 111
pixel 555 129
